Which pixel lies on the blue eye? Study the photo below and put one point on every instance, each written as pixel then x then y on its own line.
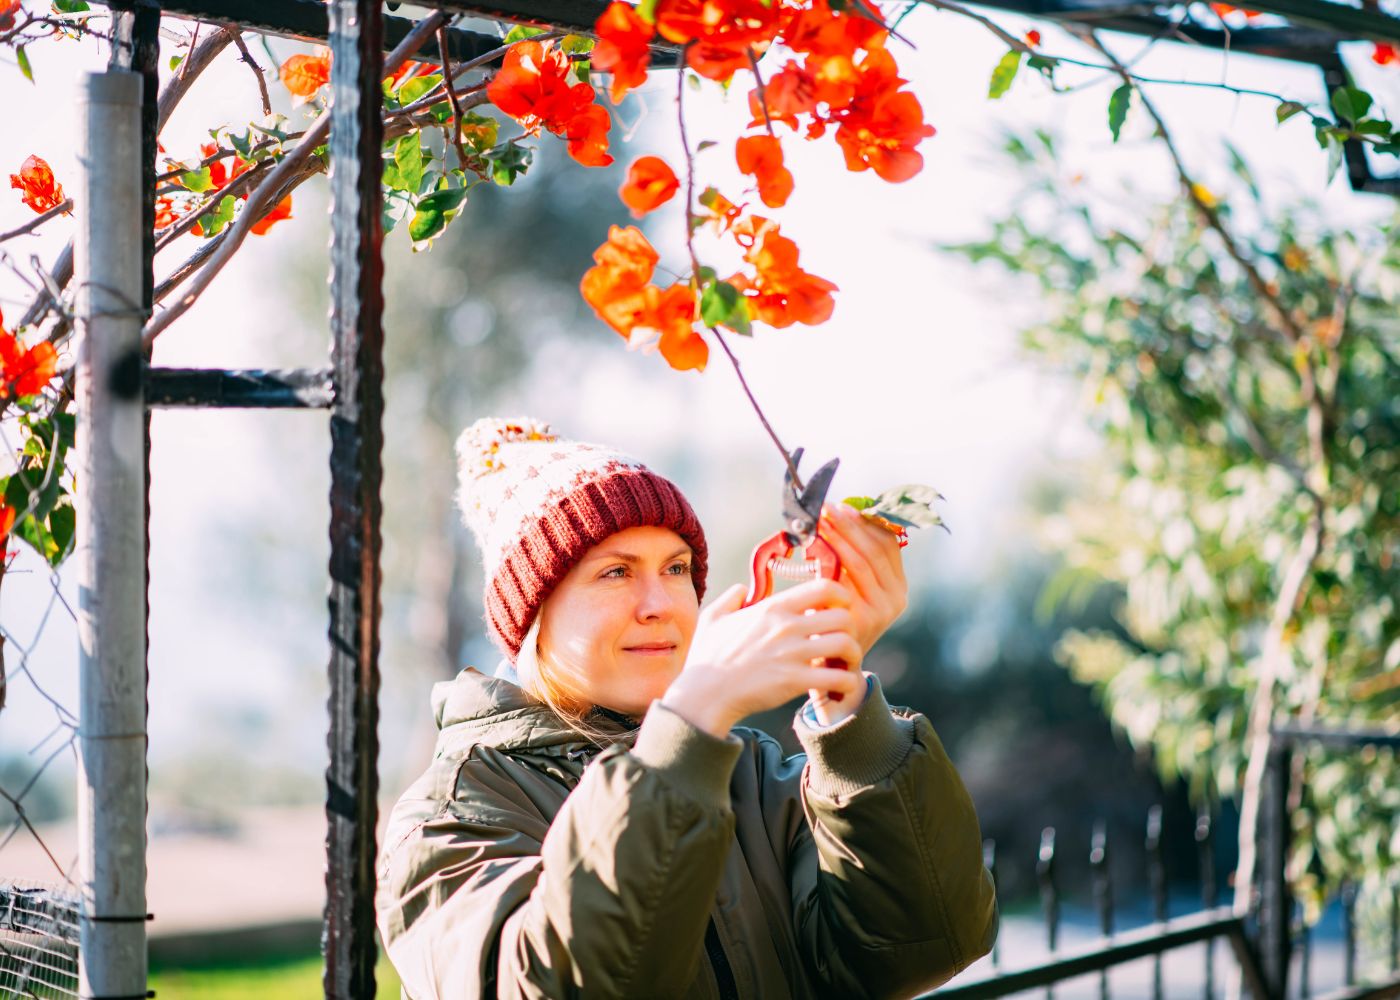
pixel 684 568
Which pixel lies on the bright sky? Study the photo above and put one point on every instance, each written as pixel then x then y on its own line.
pixel 915 379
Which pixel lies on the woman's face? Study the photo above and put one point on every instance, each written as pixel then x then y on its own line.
pixel 616 630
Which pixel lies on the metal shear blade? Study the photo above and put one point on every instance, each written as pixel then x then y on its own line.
pixel 801 512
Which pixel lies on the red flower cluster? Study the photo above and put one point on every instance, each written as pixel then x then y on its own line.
pixel 24 372
pixel 779 293
pixel 533 87
pixel 619 290
pixel 40 191
pixel 1384 54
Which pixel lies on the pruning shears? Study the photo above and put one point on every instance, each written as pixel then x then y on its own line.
pixel 798 552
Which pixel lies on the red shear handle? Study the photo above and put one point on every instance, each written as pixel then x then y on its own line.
pixel 761 579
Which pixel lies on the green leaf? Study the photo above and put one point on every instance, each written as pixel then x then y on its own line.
pixel 426 223
pixel 717 302
pixel 909 506
pixel 1373 127
pixel 646 10
pixel 197 181
pixel 582 69
pixel 63 519
pixel 446 201
pixel 37 536
pixel 1004 74
pixel 508 163
pixel 860 503
pixel 70 6
pixel 175 62
pixel 220 217
pixel 1118 109
pixel 1287 110
pixel 1351 103
pixel 577 44
pixel 704 145
pixel 416 88
pixel 521 32
pixel 1044 65
pixel 23 58
pixel 408 157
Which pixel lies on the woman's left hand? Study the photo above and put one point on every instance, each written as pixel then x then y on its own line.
pixel 871 566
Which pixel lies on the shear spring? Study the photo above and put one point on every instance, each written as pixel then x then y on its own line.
pixel 795 569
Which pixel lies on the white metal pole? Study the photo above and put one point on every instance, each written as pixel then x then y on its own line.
pixel 111 542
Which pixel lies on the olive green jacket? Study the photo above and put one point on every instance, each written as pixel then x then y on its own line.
pixel 526 863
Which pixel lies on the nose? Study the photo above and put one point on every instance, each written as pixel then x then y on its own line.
pixel 654 600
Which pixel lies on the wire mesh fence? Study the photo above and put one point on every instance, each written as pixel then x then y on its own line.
pixel 38 940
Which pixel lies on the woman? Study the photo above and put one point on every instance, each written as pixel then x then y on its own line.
pixel 592 824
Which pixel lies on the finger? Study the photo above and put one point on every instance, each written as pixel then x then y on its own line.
pixel 824 679
pixel 827 620
pixel 871 563
pixel 726 603
pixel 834 645
pixel 813 594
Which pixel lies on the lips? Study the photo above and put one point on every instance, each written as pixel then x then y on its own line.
pixel 651 647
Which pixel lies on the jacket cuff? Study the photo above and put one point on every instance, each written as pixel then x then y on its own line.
pixel 686 756
pixel 859 751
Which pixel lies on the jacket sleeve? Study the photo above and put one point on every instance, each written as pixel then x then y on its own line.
pixel 484 897
pixel 889 894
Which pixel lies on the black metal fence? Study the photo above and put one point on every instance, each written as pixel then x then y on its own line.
pixel 1271 946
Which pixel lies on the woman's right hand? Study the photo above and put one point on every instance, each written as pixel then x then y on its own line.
pixel 747 660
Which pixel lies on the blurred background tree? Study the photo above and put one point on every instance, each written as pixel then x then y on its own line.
pixel 1239 355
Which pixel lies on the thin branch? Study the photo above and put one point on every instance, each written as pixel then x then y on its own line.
pixel 1207 212
pixel 762 93
pixel 257 69
pixel 452 96
pixel 65 206
pixel 695 265
pixel 191 219
pixel 284 172
pixel 195 63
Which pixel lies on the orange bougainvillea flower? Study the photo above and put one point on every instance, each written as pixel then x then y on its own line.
pixel 1384 54
pixel 533 87
pixel 761 157
pixel 8 10
pixel 24 372
pixel 882 124
pixel 35 179
pixel 672 315
pixel 165 212
pixel 619 291
pixel 1033 38
pixel 1222 9
pixel 779 293
pixel 719 34
pixel 790 92
pixel 622 48
pixel 282 210
pixel 650 183
pixel 303 74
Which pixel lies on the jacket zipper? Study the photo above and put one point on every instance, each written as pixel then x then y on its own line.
pixel 719 963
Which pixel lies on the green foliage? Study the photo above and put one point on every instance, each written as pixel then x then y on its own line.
pixel 1223 428
pixel 1118 103
pixel 1004 74
pixel 721 304
pixel 908 506
pixel 38 490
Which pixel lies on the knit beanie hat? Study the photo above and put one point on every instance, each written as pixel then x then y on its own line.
pixel 537 504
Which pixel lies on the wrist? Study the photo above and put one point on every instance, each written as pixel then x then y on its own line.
pixel 702 710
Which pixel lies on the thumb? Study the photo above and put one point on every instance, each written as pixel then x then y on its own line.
pixel 728 602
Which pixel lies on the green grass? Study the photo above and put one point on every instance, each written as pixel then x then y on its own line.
pixel 272 979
